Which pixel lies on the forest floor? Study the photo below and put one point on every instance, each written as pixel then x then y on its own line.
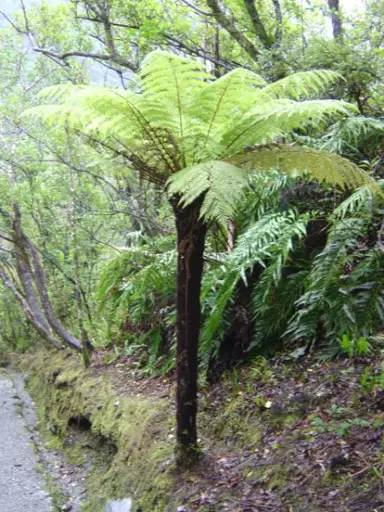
pixel 286 435
pixel 279 436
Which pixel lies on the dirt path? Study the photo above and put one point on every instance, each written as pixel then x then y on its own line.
pixel 21 486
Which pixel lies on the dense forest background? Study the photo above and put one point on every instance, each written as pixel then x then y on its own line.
pixel 88 253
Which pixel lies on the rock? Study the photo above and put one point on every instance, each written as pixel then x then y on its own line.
pixel 119 506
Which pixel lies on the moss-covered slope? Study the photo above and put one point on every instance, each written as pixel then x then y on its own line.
pixel 135 428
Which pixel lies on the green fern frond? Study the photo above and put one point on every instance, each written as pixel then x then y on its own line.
pixel 303 84
pixel 268 121
pixel 349 133
pixel 174 81
pixel 269 240
pixel 362 200
pixel 221 184
pixel 320 165
pixel 327 296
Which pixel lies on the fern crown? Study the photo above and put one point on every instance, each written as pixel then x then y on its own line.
pixel 182 120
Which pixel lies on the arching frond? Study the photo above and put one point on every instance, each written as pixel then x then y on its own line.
pixel 303 84
pixel 266 122
pixel 215 103
pixel 173 81
pixel 296 160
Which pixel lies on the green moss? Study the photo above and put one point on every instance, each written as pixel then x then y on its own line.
pixel 235 425
pixel 134 431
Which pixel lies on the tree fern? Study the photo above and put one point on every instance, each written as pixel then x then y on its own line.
pixel 181 118
pixel 179 123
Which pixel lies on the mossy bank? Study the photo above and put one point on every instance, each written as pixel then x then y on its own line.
pixel 133 434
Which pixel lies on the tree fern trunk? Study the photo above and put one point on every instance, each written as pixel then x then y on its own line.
pixel 191 234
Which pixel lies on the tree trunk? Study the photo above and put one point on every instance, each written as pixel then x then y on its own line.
pixel 24 271
pixel 233 31
pixel 334 6
pixel 191 232
pixel 86 344
pixel 41 286
pixel 27 261
pixel 30 314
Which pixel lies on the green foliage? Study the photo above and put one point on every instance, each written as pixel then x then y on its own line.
pixel 345 288
pixel 187 125
pixel 220 183
pixel 369 381
pixel 353 347
pixel 341 428
pixel 266 244
pixel 136 292
pixel 179 128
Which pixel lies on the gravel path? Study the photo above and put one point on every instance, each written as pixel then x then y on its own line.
pixel 21 486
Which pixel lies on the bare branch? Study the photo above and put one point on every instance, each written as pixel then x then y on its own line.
pixel 196 9
pixel 279 21
pixel 232 30
pixel 96 56
pixel 258 25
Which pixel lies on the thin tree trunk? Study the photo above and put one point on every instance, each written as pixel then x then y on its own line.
pixel 25 252
pixel 258 25
pixel 380 237
pixel 47 325
pixel 232 30
pixel 334 6
pixel 41 285
pixel 30 314
pixel 191 234
pixel 217 71
pixel 11 322
pixel 25 274
pixel 86 344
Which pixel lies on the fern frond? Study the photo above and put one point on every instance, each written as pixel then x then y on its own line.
pixel 173 81
pixel 362 200
pixel 215 104
pixel 327 296
pixel 349 133
pixel 272 311
pixel 320 165
pixel 268 240
pixel 269 120
pixel 221 184
pixel 262 197
pixel 303 84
